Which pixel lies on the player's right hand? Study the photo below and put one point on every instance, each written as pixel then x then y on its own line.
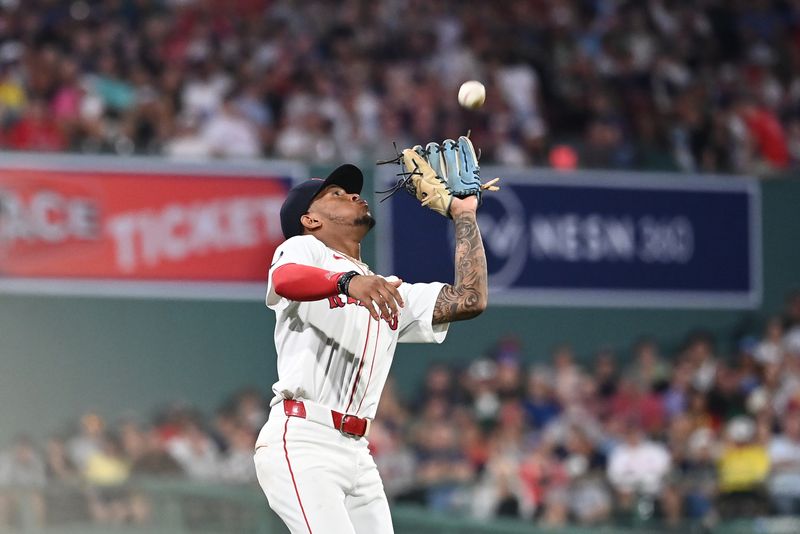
pixel 378 295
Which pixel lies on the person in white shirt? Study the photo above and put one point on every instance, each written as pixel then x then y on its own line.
pixel 229 134
pixel 23 472
pixel 196 452
pixel 637 467
pixel 784 457
pixel 337 325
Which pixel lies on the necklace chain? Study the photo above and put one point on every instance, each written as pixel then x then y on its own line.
pixel 351 258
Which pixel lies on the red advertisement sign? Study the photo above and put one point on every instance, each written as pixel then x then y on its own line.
pixel 124 225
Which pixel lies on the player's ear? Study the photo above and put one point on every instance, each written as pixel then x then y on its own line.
pixel 309 221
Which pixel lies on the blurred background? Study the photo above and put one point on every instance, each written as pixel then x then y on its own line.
pixel 638 368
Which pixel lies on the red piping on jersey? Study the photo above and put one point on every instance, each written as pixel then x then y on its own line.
pixel 360 365
pixel 296 492
pixel 304 283
pixel 371 365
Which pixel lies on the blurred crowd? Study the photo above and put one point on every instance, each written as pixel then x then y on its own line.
pixel 100 460
pixel 696 435
pixel 709 85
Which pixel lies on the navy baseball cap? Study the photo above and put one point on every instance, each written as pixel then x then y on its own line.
pixel 348 176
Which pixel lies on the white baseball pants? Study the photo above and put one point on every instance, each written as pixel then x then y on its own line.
pixel 318 480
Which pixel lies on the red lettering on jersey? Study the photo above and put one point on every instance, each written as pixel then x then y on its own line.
pixel 338 302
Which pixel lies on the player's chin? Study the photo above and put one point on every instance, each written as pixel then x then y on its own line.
pixel 366 220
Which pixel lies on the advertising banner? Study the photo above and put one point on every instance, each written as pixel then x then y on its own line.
pixel 595 239
pixel 203 230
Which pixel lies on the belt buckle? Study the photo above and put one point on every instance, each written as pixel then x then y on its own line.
pixel 345 432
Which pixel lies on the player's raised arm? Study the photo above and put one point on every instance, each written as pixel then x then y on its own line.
pixel 446 179
pixel 469 295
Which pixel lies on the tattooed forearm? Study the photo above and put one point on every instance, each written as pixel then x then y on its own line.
pixel 468 296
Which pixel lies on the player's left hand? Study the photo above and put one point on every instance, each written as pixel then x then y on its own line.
pixel 438 174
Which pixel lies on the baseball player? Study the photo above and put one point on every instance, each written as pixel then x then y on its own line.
pixel 337 325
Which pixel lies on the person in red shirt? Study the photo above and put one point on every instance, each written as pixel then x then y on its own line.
pixel 36 130
pixel 767 133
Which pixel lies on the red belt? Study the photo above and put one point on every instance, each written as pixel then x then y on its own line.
pixel 349 425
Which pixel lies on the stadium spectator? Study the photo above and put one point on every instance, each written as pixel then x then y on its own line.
pixel 36 130
pixel 648 367
pixel 195 451
pixel 105 472
pixel 634 401
pixel 187 141
pixel 88 441
pixel 567 375
pixel 508 379
pixel 63 506
pixel 252 409
pixel 478 383
pixel 438 384
pixel 540 404
pixel 12 96
pixel 236 465
pixel 676 396
pixel 784 459
pixel 155 460
pixel 767 134
pixel 22 481
pixel 770 349
pixel 589 498
pixel 692 460
pixel 637 467
pixel 500 491
pixel 229 134
pixel 743 468
pixel 59 466
pixel 699 353
pixel 605 373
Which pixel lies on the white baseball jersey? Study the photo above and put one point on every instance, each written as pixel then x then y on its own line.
pixel 332 351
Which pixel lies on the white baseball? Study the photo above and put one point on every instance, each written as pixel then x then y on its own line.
pixel 471 94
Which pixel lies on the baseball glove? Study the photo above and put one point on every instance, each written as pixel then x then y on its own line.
pixel 437 173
